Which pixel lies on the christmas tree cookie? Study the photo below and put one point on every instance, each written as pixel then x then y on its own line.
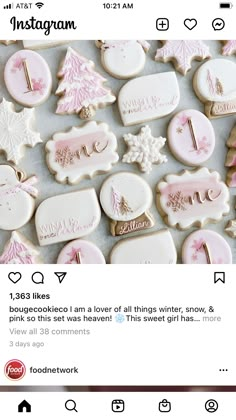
pixel 81 88
pixel 19 250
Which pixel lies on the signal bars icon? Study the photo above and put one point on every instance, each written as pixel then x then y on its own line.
pixel 8 6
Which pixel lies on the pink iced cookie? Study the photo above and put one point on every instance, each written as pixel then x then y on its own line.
pixel 80 252
pixel 191 137
pixel 28 78
pixel 229 47
pixel 206 247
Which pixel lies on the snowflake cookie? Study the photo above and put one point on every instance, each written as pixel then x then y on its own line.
pixel 144 149
pixel 192 198
pixel 181 53
pixel 16 130
pixel 82 152
pixel 81 87
pixel 19 250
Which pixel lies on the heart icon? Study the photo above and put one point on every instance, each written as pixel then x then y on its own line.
pixel 190 23
pixel 14 277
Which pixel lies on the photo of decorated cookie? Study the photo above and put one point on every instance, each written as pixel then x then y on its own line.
pixel 28 78
pixel 215 85
pixel 17 198
pixel 17 130
pixel 192 198
pixel 144 149
pixel 126 199
pixel 18 250
pixel 181 53
pixel 82 152
pixel 67 216
pixel 191 137
pixel 154 248
pixel 230 161
pixel 42 44
pixel 147 98
pixel 206 247
pixel 80 252
pixel 81 88
pixel 123 59
pixel 229 47
pixel 231 177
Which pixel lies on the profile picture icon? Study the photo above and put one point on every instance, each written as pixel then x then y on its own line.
pixel 15 370
pixel 211 406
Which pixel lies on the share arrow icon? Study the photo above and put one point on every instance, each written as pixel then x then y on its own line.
pixel 60 276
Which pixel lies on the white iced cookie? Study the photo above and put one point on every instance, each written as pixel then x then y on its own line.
pixel 144 149
pixel 206 247
pixel 191 137
pixel 155 248
pixel 39 45
pixel 28 78
pixel 82 152
pixel 192 198
pixel 215 85
pixel 17 198
pixel 18 250
pixel 126 199
pixel 81 88
pixel 80 252
pixel 149 97
pixel 17 130
pixel 123 59
pixel 67 216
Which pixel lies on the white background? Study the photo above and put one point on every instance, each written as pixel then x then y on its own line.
pixel 128 353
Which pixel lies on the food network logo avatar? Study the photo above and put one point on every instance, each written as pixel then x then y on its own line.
pixel 14 370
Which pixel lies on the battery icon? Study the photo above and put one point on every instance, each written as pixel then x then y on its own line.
pixel 226 5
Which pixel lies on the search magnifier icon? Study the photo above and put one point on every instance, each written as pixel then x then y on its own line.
pixel 71 405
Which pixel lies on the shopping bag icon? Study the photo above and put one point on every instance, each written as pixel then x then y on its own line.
pixel 164 406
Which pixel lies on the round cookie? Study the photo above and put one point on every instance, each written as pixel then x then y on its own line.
pixel 123 58
pixel 28 78
pixel 191 137
pixel 80 252
pixel 215 85
pixel 206 247
pixel 126 199
pixel 17 198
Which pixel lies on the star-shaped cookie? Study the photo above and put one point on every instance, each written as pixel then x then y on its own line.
pixel 16 130
pixel 181 53
pixel 144 149
pixel 229 48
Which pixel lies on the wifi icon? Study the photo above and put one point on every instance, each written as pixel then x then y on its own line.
pixel 39 4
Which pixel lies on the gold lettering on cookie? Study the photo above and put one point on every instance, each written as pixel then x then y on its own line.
pixel 119 228
pixel 65 157
pixel 178 201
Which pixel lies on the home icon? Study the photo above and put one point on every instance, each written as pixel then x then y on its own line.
pixel 24 407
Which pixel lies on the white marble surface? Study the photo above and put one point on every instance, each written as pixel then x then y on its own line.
pixel 48 123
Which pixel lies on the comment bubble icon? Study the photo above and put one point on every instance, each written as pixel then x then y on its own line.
pixel 37 277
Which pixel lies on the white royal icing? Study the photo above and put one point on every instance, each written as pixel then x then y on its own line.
pixel 17 198
pixel 82 152
pixel 149 97
pixel 155 248
pixel 67 216
pixel 123 59
pixel 192 198
pixel 125 196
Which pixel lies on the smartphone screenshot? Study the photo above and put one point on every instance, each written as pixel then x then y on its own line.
pixel 117 210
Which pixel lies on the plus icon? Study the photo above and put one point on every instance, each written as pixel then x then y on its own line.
pixel 162 24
